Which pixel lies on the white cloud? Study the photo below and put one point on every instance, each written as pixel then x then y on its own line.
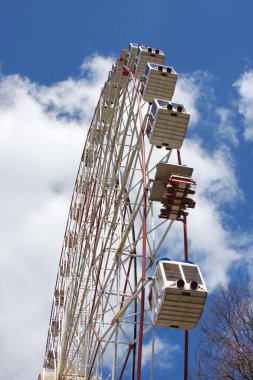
pixel 96 67
pixel 244 86
pixel 42 135
pixel 226 129
pixel 214 171
pixel 211 241
pixel 189 91
pixel 163 350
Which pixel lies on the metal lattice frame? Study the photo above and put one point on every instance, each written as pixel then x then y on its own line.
pixel 112 237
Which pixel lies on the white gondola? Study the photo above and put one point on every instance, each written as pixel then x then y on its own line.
pixel 52 376
pixel 159 82
pixel 107 112
pixel 59 298
pixel 167 124
pixel 65 268
pixel 119 75
pixel 48 375
pixel 130 58
pixel 123 56
pixel 164 171
pixel 144 55
pixel 70 240
pixel 110 92
pixel 174 188
pixel 178 295
pixel 75 212
pixel 88 158
pixel 55 328
pixel 51 358
pixel 98 134
pixel 81 185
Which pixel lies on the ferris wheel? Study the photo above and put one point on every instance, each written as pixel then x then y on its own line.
pixel 112 288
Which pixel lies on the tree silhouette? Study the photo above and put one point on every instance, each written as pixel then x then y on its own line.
pixel 225 349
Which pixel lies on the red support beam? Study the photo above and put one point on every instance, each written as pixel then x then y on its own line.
pixel 126 281
pixel 144 248
pixel 125 362
pixel 186 257
pixel 186 344
pixel 186 333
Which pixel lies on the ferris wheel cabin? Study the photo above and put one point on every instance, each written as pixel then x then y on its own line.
pixel 144 56
pixel 159 82
pixel 177 295
pixel 167 124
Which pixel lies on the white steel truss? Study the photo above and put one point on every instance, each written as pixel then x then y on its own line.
pixel 95 318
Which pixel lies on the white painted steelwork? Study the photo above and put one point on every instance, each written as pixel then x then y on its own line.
pixel 98 315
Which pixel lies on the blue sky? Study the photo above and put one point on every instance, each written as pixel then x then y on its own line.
pixel 47 40
pixel 58 53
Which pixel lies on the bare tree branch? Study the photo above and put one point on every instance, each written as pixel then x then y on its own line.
pixel 225 349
